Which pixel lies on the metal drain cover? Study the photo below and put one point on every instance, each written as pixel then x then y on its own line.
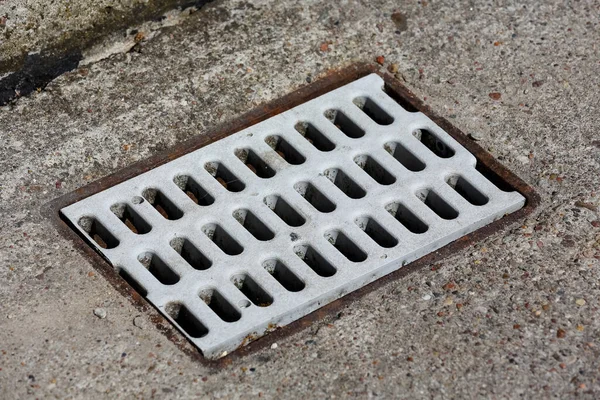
pixel 261 228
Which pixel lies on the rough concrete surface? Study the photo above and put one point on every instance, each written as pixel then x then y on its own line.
pixel 513 316
pixel 60 27
pixel 41 40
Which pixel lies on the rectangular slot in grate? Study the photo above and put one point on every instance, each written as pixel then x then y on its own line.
pixel 264 226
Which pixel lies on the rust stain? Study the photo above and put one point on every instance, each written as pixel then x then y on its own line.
pixel 330 80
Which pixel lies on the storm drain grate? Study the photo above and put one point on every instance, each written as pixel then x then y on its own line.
pixel 262 227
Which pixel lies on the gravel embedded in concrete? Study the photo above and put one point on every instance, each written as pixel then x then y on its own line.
pixel 100 313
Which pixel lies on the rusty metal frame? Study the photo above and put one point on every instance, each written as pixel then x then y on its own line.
pixel 332 80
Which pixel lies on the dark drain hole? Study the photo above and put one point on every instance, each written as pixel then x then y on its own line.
pixel 345 246
pixel 402 101
pixel 162 204
pixel 225 177
pixel 373 110
pixel 194 257
pixel 220 305
pixel 285 150
pixel 186 320
pixel 467 190
pixel 314 136
pixel 98 232
pixel 194 190
pixel 315 261
pixel 255 163
pixel 404 157
pixel 222 239
pixel 345 183
pixel 375 170
pixel 284 211
pixel 132 282
pixel 376 232
pixel 344 124
pixel 437 204
pixel 131 219
pixel 252 290
pixel 433 143
pixel 283 275
pixel 493 177
pixel 253 225
pixel 158 268
pixel 406 218
pixel 317 199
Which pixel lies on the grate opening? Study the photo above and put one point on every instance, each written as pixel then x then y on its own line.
pixel 162 204
pixel 433 143
pixel 406 218
pixel 222 239
pixel 344 124
pixel 285 150
pixel 400 99
pixel 373 110
pixel 345 246
pixel 98 232
pixel 194 257
pixel 252 290
pixel 220 306
pixel 376 232
pixel 158 268
pixel 317 199
pixel 467 190
pixel 255 163
pixel 314 136
pixel 225 177
pixel 132 282
pixel 493 177
pixel 375 170
pixel 284 211
pixel 194 190
pixel 315 260
pixel 131 219
pixel 186 320
pixel 284 275
pixel 404 156
pixel 253 224
pixel 345 183
pixel 437 204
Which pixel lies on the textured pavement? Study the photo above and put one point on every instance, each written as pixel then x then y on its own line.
pixel 513 316
pixel 48 30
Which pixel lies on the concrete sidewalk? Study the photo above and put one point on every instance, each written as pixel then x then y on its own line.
pixel 519 317
pixel 59 28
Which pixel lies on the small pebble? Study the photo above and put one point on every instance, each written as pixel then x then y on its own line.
pixel 140 322
pixel 476 136
pixel 426 297
pixel 100 313
pixel 580 302
pixel 274 346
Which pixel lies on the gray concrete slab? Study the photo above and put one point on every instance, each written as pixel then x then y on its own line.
pixel 61 27
pixel 512 316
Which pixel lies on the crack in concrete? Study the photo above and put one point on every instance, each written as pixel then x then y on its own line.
pixel 39 69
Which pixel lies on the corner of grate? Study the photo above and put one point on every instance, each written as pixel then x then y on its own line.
pixel 259 229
